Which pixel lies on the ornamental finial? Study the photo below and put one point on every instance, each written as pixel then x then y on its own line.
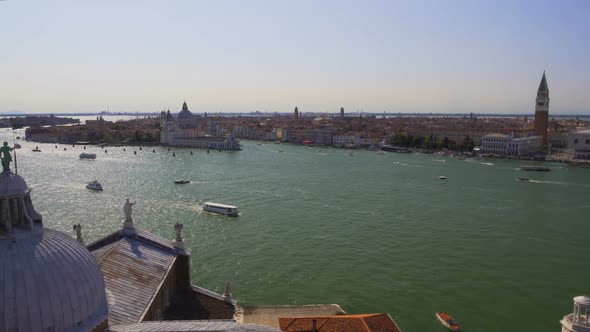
pixel 178 240
pixel 78 230
pixel 227 294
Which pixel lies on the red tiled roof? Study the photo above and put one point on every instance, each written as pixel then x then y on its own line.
pixel 349 323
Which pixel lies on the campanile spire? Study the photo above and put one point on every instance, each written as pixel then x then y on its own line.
pixel 542 109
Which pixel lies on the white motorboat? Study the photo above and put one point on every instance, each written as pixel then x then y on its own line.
pixel 94 185
pixel 228 210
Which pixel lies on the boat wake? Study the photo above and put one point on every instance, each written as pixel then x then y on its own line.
pixel 549 182
pixel 559 183
pixel 479 162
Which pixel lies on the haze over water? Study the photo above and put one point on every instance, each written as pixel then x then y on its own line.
pixel 370 232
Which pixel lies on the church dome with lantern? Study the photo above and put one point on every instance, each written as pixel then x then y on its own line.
pixel 184 114
pixel 50 281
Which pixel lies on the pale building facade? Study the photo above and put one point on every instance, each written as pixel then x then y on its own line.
pixel 345 140
pixel 188 130
pixel 580 142
pixel 506 145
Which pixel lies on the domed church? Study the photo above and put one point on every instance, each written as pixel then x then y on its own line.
pixel 131 280
pixel 48 280
pixel 128 281
pixel 188 130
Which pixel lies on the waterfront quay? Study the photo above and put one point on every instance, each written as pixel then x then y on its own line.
pixel 346 130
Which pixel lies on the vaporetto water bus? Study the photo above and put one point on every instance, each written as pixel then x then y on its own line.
pixel 228 210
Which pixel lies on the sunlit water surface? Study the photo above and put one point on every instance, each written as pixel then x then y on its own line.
pixel 373 233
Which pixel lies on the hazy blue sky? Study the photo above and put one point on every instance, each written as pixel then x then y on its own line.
pixel 411 56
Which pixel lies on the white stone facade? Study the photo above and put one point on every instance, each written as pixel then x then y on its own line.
pixel 580 142
pixel 506 145
pixel 495 144
pixel 341 140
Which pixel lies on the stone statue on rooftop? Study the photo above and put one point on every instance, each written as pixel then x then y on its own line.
pixel 128 210
pixel 5 156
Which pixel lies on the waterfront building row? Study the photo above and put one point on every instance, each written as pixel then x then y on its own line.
pixel 188 130
pixel 507 145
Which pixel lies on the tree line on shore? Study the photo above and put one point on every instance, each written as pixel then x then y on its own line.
pixel 431 142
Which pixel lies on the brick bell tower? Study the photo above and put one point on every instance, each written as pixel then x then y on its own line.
pixel 542 109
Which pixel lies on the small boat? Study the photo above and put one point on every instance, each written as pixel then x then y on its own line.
pixel 94 185
pixel 84 155
pixel 228 210
pixel 448 321
pixel 536 168
pixel 36 149
pixel 182 181
pixel 17 146
pixel 442 177
pixel 523 179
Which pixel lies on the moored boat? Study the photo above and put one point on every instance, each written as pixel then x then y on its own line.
pixel 182 181
pixel 448 321
pixel 228 210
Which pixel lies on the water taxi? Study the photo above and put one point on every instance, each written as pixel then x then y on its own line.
pixel 94 185
pixel 228 210
pixel 84 155
pixel 182 181
pixel 448 321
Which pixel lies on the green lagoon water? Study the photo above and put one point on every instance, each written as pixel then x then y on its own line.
pixel 373 233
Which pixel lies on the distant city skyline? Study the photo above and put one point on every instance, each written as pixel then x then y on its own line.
pixel 229 56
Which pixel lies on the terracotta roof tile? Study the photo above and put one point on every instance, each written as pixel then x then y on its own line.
pixel 350 323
